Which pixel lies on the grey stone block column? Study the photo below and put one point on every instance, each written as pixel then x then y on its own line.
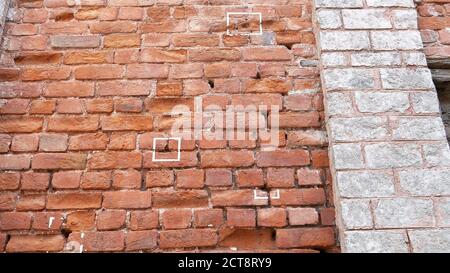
pixel 389 154
pixel 4 5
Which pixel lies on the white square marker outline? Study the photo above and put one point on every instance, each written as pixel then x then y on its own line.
pixel 245 33
pixel 178 159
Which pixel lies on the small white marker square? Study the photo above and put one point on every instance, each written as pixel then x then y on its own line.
pixel 259 14
pixel 178 139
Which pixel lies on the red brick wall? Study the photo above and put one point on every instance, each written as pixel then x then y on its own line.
pixel 434 23
pixel 85 89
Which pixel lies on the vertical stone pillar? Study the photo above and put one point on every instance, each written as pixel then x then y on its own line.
pixel 4 5
pixel 388 149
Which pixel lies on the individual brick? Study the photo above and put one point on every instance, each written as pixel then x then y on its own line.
pixel 66 180
pixel 241 217
pixel 272 217
pixel 35 243
pixel 208 218
pixel 111 219
pixel 302 216
pixel 127 199
pixel 176 218
pixel 305 237
pixel 147 219
pixel 53 142
pixel 141 240
pixel 81 220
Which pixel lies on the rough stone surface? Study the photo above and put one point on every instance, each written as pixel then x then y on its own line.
pixel 344 40
pixel 437 154
pixel 418 129
pixel 339 104
pixel 430 241
pixel 403 213
pixel 426 182
pixel 366 19
pixel 404 78
pixel 378 102
pixel 358 129
pixel 347 156
pixel 365 184
pixel 350 79
pixel 356 214
pixel 329 19
pixel 375 242
pixel 386 155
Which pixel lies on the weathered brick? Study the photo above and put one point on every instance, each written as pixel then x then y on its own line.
pixel 303 216
pixel 100 180
pixel 127 199
pixel 140 220
pixel 188 238
pixel 35 243
pixel 226 159
pixel 98 72
pixel 282 158
pixel 59 161
pixel 53 142
pixel 69 89
pixel 20 125
pixel 72 124
pixel 111 219
pixel 9 181
pixel 208 218
pixel 141 240
pixel 81 220
pixel 126 123
pixel 176 218
pixel 14 162
pixel 74 201
pixel 236 198
pixel 35 181
pixel 66 180
pixel 90 41
pixel 104 241
pixel 15 220
pixel 305 237
pixel 272 217
pixel 115 160
pixel 299 197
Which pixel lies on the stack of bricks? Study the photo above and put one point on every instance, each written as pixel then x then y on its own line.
pixel 87 86
pixel 434 25
pixel 390 159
